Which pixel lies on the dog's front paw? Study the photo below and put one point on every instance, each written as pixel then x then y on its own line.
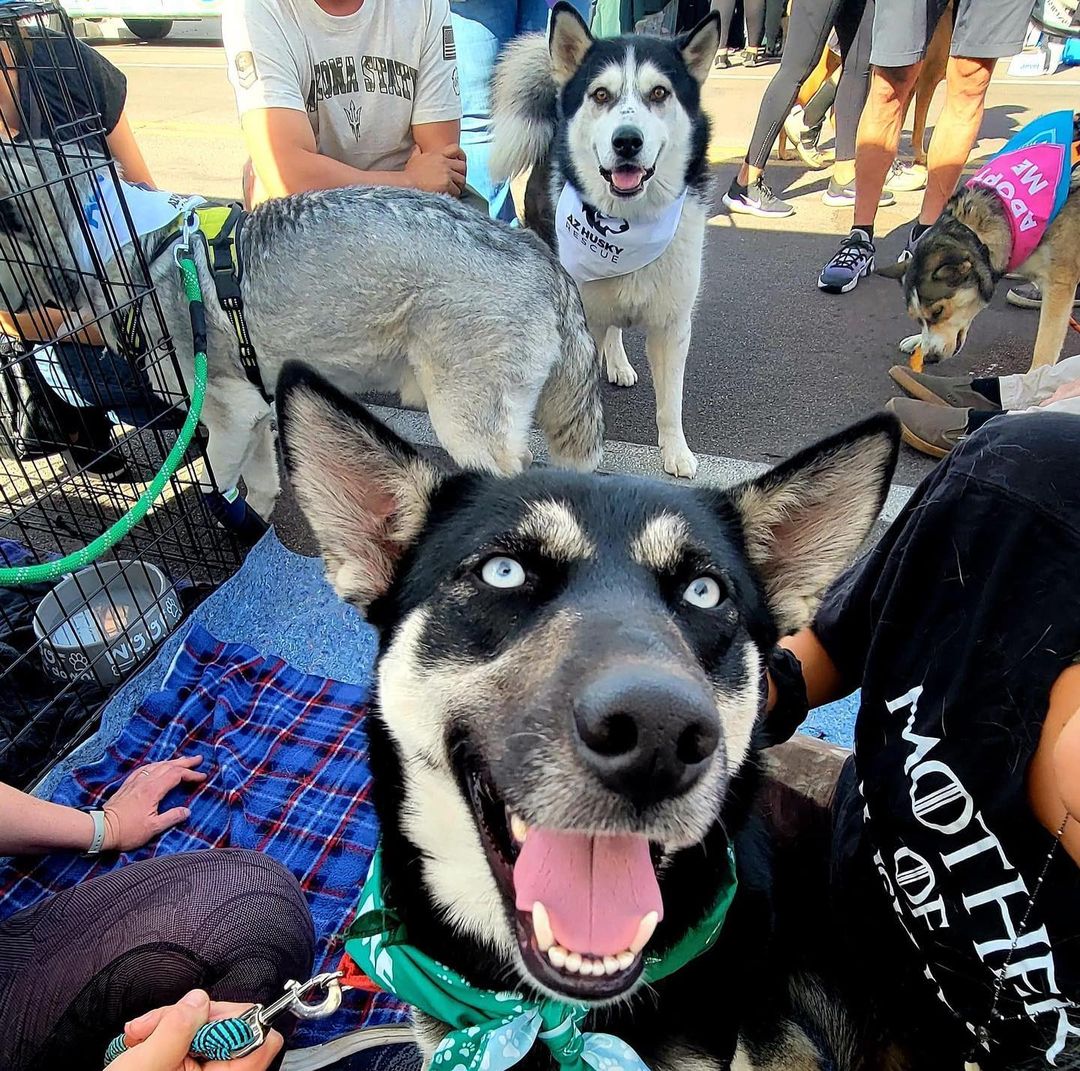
pixel 619 369
pixel 679 461
pixel 622 375
pixel 909 344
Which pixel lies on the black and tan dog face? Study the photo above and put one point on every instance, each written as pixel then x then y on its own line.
pixel 947 283
pixel 571 665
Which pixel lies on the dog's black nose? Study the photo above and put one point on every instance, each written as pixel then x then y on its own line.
pixel 645 733
pixel 627 141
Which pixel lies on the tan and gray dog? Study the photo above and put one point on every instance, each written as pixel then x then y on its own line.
pixel 956 265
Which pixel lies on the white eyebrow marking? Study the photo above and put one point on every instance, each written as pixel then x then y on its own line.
pixel 555 527
pixel 661 542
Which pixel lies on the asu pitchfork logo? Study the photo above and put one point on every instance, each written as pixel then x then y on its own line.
pixel 352 113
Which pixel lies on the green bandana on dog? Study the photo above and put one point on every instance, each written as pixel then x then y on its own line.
pixel 493 1031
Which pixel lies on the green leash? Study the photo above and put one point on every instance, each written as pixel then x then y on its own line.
pixel 493 1031
pixel 14 576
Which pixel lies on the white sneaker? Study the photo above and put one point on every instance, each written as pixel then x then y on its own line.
pixel 906 178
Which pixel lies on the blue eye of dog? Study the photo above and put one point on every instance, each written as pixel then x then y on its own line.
pixel 704 593
pixel 502 572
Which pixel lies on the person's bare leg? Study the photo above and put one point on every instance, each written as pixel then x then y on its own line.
pixel 966 81
pixel 843 171
pixel 879 135
pixel 748 175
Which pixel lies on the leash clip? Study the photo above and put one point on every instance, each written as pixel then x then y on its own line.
pixel 295 999
pixel 231 1039
pixel 182 249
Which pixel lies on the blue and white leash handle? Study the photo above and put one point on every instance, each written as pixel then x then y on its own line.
pixel 229 1039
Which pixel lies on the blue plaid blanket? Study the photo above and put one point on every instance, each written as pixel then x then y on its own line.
pixel 287 758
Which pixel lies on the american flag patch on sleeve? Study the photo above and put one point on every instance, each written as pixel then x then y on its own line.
pixel 449 49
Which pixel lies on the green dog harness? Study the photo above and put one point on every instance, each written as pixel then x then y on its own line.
pixel 493 1031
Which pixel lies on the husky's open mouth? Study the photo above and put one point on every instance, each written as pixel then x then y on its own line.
pixel 585 905
pixel 627 180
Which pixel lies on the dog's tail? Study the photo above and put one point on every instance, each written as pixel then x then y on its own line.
pixel 524 107
pixel 571 410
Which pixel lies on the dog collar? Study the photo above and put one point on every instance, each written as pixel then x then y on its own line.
pixel 493 1031
pixel 594 246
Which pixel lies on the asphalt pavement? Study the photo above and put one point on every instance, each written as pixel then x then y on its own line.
pixel 774 363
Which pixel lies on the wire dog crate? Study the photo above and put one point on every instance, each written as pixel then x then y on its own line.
pixel 82 430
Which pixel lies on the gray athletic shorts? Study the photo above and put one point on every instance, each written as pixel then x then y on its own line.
pixel 985 29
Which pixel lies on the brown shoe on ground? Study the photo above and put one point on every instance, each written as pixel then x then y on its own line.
pixel 929 428
pixel 955 391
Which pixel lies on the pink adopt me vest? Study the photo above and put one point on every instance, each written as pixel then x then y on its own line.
pixel 1031 176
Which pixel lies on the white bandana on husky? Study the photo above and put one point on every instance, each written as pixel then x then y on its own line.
pixel 594 246
pixel 150 211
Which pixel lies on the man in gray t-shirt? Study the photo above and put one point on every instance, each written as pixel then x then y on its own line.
pixel 345 92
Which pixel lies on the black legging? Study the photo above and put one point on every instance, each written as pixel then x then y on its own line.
pixel 726 8
pixel 763 20
pixel 761 16
pixel 808 30
pixel 76 967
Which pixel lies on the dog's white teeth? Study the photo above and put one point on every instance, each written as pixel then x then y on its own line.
pixel 518 828
pixel 557 954
pixel 645 930
pixel 545 938
pixel 589 966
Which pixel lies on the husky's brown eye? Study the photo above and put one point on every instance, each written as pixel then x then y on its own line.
pixel 659 93
pixel 601 95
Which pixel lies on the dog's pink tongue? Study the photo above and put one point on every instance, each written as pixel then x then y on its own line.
pixel 596 889
pixel 626 178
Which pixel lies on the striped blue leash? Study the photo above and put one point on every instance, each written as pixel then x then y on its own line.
pixel 229 1039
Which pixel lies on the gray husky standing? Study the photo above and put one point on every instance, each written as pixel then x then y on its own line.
pixel 615 131
pixel 377 289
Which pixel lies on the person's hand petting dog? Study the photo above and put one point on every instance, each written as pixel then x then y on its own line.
pixel 442 171
pixel 30 826
pixel 160 1039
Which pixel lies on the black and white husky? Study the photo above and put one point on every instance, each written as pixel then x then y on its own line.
pixel 615 134
pixel 570 671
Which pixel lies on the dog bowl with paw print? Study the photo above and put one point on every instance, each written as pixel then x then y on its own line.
pixel 99 623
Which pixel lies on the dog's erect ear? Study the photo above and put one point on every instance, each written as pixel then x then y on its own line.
pixel 698 47
pixel 953 272
pixel 804 520
pixel 364 491
pixel 568 41
pixel 896 270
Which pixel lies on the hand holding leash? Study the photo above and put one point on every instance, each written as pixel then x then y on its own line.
pixel 236 1037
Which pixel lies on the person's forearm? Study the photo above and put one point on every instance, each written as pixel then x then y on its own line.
pixel 29 826
pixel 45 325
pixel 823 680
pixel 126 152
pixel 300 171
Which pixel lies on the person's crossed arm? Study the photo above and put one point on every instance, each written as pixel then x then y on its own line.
pixel 265 69
pixel 286 160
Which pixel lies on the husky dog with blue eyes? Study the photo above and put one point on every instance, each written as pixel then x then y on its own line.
pixel 565 740
pixel 617 141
